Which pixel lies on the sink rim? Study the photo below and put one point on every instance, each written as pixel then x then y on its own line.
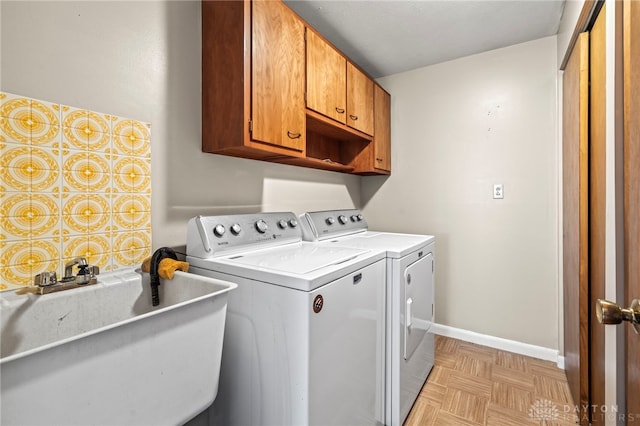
pixel 226 287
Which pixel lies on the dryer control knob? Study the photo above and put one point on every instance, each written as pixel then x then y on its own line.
pixel 282 224
pixel 293 223
pixel 360 217
pixel 354 218
pixel 330 220
pixel 261 226
pixel 235 229
pixel 343 219
pixel 219 230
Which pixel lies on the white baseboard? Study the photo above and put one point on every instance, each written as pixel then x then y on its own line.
pixel 500 343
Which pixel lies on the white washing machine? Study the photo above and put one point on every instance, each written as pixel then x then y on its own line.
pixel 410 299
pixel 305 331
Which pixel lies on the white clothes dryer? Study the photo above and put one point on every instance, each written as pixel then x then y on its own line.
pixel 305 331
pixel 410 299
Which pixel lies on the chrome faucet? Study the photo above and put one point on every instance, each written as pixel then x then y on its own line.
pixel 46 282
pixel 68 268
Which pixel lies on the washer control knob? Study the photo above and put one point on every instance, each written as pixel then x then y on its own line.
pixel 219 230
pixel 354 218
pixel 343 219
pixel 235 229
pixel 293 223
pixel 282 224
pixel 360 217
pixel 261 226
pixel 330 220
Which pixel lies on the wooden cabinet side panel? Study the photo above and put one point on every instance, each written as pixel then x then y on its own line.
pixel 224 74
pixel 326 78
pixel 278 80
pixel 359 100
pixel 382 132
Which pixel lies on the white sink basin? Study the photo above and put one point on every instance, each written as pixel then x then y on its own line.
pixel 103 355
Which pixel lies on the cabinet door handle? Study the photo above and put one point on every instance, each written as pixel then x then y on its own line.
pixel 353 117
pixel 293 135
pixel 379 160
pixel 340 110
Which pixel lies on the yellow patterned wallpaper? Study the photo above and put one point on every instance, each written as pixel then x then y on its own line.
pixel 73 183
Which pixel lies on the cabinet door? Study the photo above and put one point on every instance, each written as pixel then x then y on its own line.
pixel 382 138
pixel 277 79
pixel 326 78
pixel 359 100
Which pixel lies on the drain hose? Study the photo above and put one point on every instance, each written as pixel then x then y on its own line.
pixel 158 255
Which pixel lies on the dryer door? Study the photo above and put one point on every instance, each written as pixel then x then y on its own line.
pixel 418 304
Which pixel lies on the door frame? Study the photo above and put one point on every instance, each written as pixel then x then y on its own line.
pixel 631 184
pixel 598 188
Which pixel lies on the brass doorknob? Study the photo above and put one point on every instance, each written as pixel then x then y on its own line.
pixel 609 312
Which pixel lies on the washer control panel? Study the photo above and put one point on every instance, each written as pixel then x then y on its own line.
pixel 209 235
pixel 332 223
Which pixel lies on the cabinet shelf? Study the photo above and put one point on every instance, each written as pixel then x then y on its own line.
pixel 318 123
pixel 316 163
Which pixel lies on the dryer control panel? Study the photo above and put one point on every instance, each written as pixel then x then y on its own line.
pixel 327 224
pixel 213 235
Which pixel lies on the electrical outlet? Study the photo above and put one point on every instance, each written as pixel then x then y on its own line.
pixel 498 192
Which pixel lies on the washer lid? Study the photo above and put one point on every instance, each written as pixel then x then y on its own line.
pixel 300 266
pixel 298 260
pixel 396 245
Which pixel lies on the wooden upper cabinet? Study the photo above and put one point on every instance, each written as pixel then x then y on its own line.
pixel 382 138
pixel 359 100
pixel 252 99
pixel 275 90
pixel 277 79
pixel 326 78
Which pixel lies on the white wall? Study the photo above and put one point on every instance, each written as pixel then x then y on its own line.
pixel 458 128
pixel 142 60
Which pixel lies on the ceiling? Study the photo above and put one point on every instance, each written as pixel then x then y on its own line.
pixel 391 36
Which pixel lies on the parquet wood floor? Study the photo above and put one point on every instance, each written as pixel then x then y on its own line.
pixel 476 385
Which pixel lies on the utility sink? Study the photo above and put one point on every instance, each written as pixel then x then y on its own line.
pixel 103 355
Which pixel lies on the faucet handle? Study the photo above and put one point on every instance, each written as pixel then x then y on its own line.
pixel 46 278
pixel 84 275
pixel 87 274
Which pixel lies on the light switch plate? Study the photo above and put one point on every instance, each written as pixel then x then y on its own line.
pixel 498 192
